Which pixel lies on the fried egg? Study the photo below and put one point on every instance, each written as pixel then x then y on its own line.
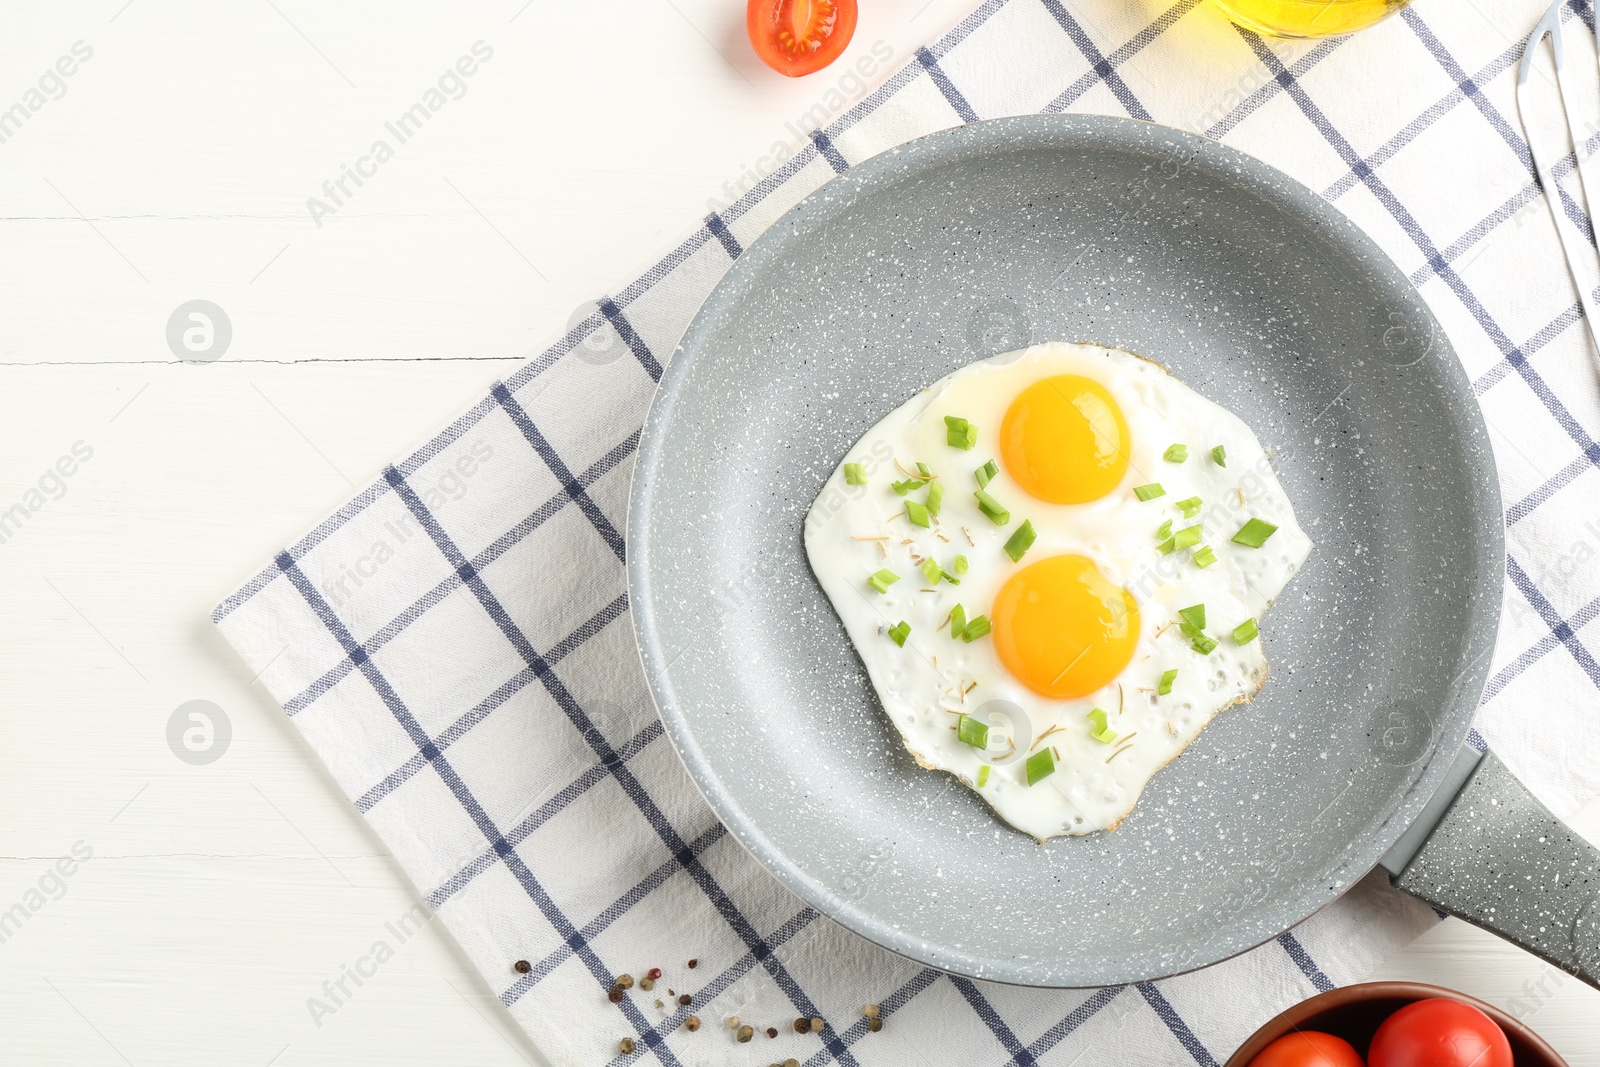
pixel 1054 565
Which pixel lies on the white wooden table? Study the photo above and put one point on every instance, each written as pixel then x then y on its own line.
pixel 175 163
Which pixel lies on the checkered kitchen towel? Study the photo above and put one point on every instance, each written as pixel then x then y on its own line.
pixel 454 642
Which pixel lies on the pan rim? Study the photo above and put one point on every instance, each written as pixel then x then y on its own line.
pixel 1280 913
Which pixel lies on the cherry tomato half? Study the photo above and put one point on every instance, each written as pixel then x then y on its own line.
pixel 796 37
pixel 1308 1048
pixel 1439 1033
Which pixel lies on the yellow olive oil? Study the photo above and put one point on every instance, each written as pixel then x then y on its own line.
pixel 1308 18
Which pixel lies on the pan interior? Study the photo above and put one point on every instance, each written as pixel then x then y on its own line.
pixel 1249 288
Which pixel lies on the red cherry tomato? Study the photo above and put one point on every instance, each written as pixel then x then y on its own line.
pixel 1439 1033
pixel 1308 1048
pixel 796 37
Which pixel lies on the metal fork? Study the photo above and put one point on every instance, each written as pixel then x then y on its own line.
pixel 1550 26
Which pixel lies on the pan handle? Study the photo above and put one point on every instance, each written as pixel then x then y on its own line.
pixel 1488 852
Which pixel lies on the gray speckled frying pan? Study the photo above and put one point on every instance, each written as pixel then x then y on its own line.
pixel 1254 291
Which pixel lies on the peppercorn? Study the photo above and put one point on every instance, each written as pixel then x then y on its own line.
pixel 733 1022
pixel 874 1025
pixel 791 1062
pixel 816 1026
pixel 685 1000
pixel 692 1023
pixel 694 963
pixel 626 1046
pixel 870 1011
pixel 522 966
pixel 772 1031
pixel 615 996
pixel 647 984
pixel 802 1025
pixel 745 1034
pixel 624 981
pixel 653 973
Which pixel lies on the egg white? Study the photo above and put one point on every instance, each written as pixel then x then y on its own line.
pixel 852 531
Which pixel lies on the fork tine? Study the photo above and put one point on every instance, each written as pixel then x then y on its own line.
pixel 1549 25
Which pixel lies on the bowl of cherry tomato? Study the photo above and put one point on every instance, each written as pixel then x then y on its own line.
pixel 1394 1024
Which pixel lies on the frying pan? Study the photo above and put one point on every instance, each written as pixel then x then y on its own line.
pixel 980 240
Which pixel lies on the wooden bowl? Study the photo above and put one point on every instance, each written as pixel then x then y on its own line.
pixel 1355 1012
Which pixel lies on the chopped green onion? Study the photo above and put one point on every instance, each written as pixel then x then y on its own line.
pixel 1167 678
pixel 1165 531
pixel 959 433
pixel 1204 557
pixel 958 621
pixel 918 514
pixel 985 474
pixel 1190 507
pixel 1166 547
pixel 970 731
pixel 1040 765
pixel 1254 533
pixel 1220 455
pixel 935 496
pixel 1176 453
pixel 1187 537
pixel 1245 632
pixel 991 507
pixel 1149 492
pixel 952 579
pixel 1100 731
pixel 1195 616
pixel 855 474
pixel 977 628
pixel 883 580
pixel 1021 540
pixel 983 776
pixel 960 565
pixel 1197 640
pixel 932 571
pixel 906 486
pixel 899 632
pixel 922 469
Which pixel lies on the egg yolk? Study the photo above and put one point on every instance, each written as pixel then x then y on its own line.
pixel 1064 440
pixel 1062 629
